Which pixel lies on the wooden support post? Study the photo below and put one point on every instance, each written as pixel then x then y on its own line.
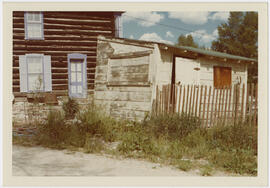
pixel 242 102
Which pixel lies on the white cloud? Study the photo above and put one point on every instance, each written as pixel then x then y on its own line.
pixel 169 34
pixel 145 19
pixel 190 17
pixel 131 37
pixel 203 37
pixel 220 16
pixel 154 37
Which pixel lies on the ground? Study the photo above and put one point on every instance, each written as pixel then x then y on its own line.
pixel 40 161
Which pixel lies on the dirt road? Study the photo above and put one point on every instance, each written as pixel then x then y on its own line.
pixel 39 161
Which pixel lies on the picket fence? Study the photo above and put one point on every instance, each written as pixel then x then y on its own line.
pixel 212 105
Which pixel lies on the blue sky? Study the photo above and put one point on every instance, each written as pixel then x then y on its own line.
pixel 151 26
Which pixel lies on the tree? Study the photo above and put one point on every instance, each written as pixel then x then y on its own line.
pixel 186 41
pixel 239 36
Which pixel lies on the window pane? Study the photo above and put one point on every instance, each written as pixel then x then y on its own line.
pixel 79 67
pixel 34 64
pixel 73 77
pixel 35 82
pixel 33 17
pixel 30 16
pixel 79 77
pixel 34 30
pixel 79 89
pixel 73 67
pixel 73 89
pixel 37 17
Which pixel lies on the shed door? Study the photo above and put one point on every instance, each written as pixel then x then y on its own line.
pixel 76 77
pixel 186 71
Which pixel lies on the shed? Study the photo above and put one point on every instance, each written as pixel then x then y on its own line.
pixel 128 71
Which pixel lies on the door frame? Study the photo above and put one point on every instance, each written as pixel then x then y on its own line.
pixel 84 75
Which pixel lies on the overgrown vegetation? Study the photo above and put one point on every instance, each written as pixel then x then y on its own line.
pixel 176 139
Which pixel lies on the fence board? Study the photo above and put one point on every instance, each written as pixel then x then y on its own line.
pixel 179 98
pixel 209 96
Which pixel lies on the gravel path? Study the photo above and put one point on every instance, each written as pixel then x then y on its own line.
pixel 39 161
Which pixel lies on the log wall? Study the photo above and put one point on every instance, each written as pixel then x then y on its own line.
pixel 64 33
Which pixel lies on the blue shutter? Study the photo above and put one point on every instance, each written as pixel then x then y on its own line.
pixel 23 73
pixel 47 73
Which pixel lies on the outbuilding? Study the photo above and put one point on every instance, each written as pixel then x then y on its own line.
pixel 128 72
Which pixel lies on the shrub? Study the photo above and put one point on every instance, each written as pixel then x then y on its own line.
pixel 54 130
pixel 173 126
pixel 70 107
pixel 238 136
pixel 139 142
pixel 93 121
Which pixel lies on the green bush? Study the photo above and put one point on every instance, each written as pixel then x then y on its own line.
pixel 172 126
pixel 137 141
pixel 238 136
pixel 94 122
pixel 70 107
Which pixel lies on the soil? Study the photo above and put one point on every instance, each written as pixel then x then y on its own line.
pixel 40 161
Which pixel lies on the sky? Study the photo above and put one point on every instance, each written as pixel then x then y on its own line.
pixel 166 27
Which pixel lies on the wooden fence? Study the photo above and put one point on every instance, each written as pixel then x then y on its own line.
pixel 211 105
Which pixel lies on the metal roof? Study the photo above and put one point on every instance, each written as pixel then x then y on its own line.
pixel 212 53
pixel 191 49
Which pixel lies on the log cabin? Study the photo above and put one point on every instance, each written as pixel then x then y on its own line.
pixel 54 55
pixel 55 52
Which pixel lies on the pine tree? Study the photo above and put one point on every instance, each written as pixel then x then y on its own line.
pixel 239 36
pixel 186 41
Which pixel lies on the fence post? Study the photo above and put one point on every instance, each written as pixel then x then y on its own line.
pixel 208 103
pixel 256 103
pixel 179 98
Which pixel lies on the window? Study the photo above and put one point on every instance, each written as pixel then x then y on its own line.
pixel 222 76
pixel 35 73
pixel 77 75
pixel 33 25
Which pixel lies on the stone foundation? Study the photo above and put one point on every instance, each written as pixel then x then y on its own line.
pixel 25 112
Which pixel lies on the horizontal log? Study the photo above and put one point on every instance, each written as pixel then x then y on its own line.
pixel 15 76
pixel 59 70
pixel 71 27
pixel 71 15
pixel 55 43
pixel 15 82
pixel 89 54
pixel 58 81
pixel 59 76
pixel 59 87
pixel 90 86
pixel 59 37
pixel 56 49
pixel 91 76
pixel 74 32
pixel 15 70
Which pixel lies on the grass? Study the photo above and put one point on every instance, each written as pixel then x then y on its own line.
pixel 165 139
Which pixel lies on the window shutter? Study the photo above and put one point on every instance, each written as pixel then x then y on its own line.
pixel 47 73
pixel 23 73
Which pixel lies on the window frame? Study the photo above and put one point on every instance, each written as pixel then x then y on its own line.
pixel 43 68
pixel 214 80
pixel 26 22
